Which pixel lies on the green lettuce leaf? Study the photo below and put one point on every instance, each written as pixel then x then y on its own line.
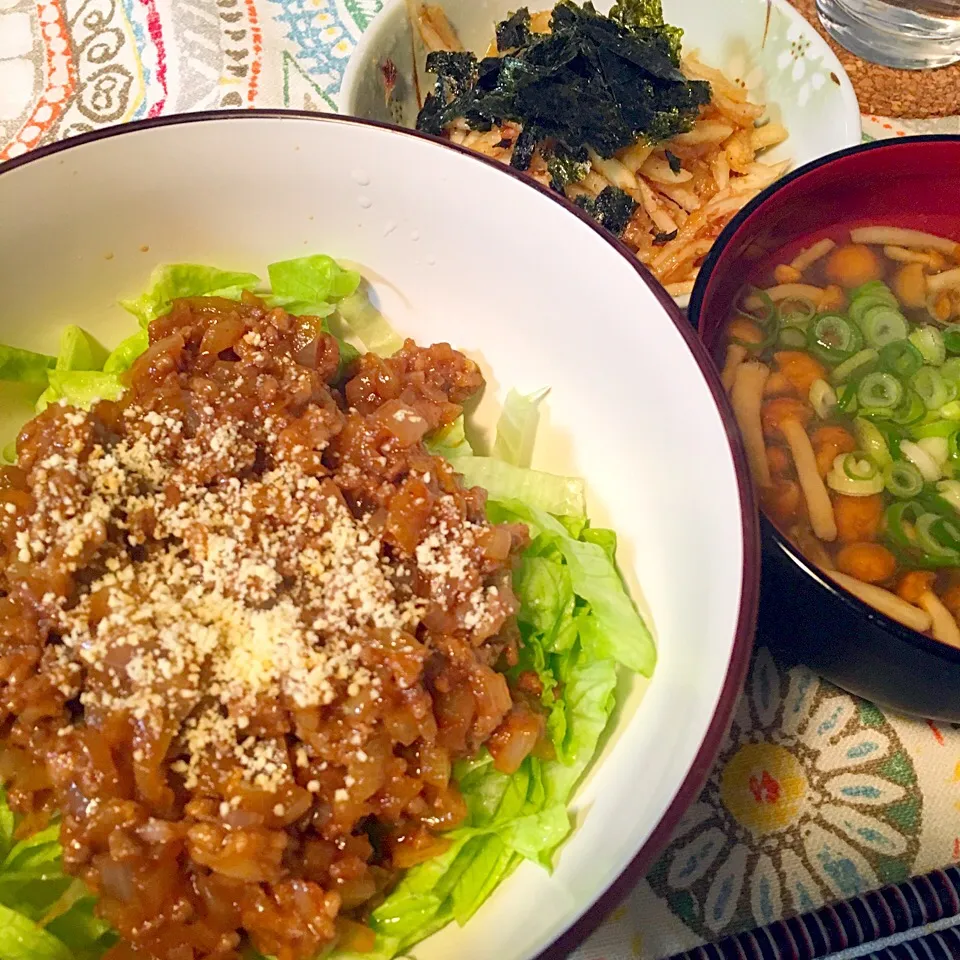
pixel 22 939
pixel 300 308
pixel 450 441
pixel 172 281
pixel 44 914
pixel 546 595
pixel 32 880
pixel 547 492
pixel 78 926
pixel 80 388
pixel 317 280
pixel 6 825
pixel 589 688
pixel 491 862
pixel 79 350
pixel 126 352
pixel 368 325
pixel 517 428
pixel 24 366
pixel 621 632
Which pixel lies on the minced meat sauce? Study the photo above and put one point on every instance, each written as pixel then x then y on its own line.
pixel 247 623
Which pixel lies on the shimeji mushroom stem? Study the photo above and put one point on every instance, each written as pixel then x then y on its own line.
pixel 884 601
pixel 895 236
pixel 943 625
pixel 948 280
pixel 806 258
pixel 814 490
pixel 747 398
pixel 736 354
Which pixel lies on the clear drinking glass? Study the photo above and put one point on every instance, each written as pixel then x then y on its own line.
pixel 908 34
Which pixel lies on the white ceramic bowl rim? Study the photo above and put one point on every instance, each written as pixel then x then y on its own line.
pixel 770 533
pixel 742 646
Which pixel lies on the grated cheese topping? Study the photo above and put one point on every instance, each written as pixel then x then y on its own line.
pixel 214 597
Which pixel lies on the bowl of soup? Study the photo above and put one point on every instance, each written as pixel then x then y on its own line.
pixel 832 306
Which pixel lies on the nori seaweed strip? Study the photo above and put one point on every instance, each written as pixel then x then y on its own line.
pixel 524 148
pixel 515 32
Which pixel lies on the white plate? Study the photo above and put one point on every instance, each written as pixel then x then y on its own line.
pixel 635 405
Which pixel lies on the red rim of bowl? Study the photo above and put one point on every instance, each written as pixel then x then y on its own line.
pixel 696 776
pixel 770 533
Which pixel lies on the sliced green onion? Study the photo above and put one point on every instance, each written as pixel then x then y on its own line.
pixel 898 514
pixel 901 358
pixel 792 338
pixel 931 387
pixel 880 390
pixel 870 295
pixel 937 536
pixel 947 533
pixel 796 311
pixel 859 363
pixel 929 341
pixel 949 490
pixel 855 475
pixel 823 399
pixel 858 466
pixel 873 288
pixel 951 338
pixel 882 325
pixel 928 467
pixel 936 428
pixel 833 338
pixel 902 479
pixel 911 409
pixel 871 441
pixel 951 410
pixel 847 398
pixel 950 371
pixel 764 312
pixel 953 447
pixel 937 447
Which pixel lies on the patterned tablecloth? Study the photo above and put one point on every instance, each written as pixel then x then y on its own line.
pixel 817 796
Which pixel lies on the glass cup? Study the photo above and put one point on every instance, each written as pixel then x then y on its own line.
pixel 907 34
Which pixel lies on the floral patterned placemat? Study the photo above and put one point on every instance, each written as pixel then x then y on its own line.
pixel 817 796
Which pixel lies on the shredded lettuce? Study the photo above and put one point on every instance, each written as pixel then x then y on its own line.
pixel 79 350
pixel 368 325
pixel 620 630
pixel 80 388
pixel 517 428
pixel 561 496
pixel 22 939
pixel 44 914
pixel 450 442
pixel 317 279
pixel 24 366
pixel 126 352
pixel 172 281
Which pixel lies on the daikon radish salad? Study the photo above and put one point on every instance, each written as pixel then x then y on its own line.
pixel 843 367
